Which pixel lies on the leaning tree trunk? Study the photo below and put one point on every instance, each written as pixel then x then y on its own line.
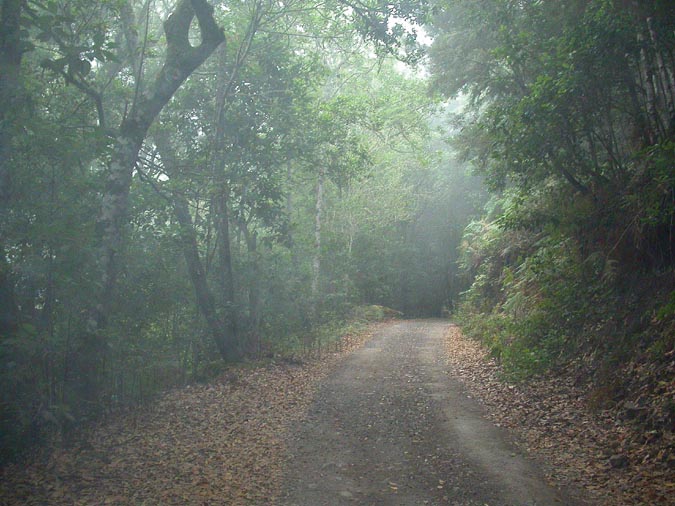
pixel 218 330
pixel 181 60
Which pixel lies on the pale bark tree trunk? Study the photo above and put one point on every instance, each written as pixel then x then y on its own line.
pixel 290 236
pixel 289 203
pixel 181 60
pixel 131 44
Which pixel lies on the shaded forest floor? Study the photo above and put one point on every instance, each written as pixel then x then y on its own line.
pixel 224 442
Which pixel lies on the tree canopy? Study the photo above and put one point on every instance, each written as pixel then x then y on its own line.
pixel 189 183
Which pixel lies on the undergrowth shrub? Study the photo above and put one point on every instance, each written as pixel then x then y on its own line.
pixel 535 299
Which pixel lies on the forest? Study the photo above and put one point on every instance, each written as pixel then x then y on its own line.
pixel 187 184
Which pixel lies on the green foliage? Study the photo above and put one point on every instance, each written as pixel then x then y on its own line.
pixel 546 294
pixel 295 92
pixel 578 155
pixel 667 311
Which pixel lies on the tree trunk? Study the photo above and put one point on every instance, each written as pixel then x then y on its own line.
pixel 316 261
pixel 569 177
pixel 650 89
pixel 219 330
pixel 225 274
pixel 222 221
pixel 289 206
pixel 643 132
pixel 254 279
pixel 9 310
pixel 222 216
pixel 205 301
pixel 181 60
pixel 666 78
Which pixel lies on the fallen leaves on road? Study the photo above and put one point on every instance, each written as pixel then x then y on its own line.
pixel 214 444
pixel 577 447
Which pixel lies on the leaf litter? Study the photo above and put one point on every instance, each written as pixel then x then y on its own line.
pixel 614 461
pixel 214 444
pixel 223 443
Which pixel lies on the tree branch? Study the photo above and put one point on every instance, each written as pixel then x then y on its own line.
pixel 181 58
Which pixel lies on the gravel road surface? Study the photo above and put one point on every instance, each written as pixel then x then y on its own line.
pixel 391 427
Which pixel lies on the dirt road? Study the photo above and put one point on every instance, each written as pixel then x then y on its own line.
pixel 390 427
